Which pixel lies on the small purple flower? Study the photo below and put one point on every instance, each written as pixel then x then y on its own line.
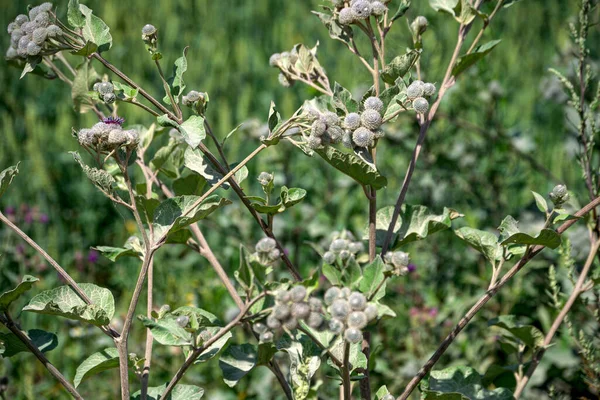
pixel 433 312
pixel 93 256
pixel 9 210
pixel 28 218
pixel 411 267
pixel 44 219
pixel 114 120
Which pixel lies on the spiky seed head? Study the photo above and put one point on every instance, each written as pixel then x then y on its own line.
pixel 11 53
pixel 345 293
pixel 347 16
pixel 274 59
pixel 362 9
pixel 330 118
pixel 39 36
pixel 374 103
pixel 105 88
pixel 85 137
pixel 371 119
pixel 421 105
pixel 273 323
pixel 378 8
pixel 193 96
pixel 415 90
pixel 318 128
pixel 15 36
pixel 347 139
pixel 362 137
pixel 33 49
pixel 335 134
pixel 34 12
pixel 345 254
pixel 21 19
pixel 265 245
pixel 559 195
pixel 298 293
pixel 314 142
pixel 356 247
pixel 283 296
pixel 54 31
pixel 388 397
pixel 259 327
pixel 284 81
pixel 340 309
pixel 206 335
pixel 315 304
pixel 117 137
pixel 331 295
pixel 336 326
pixel 352 121
pixel 11 27
pixel 329 257
pixel 352 335
pixel 338 245
pixel 109 98
pixel 264 178
pixel 371 311
pixel 357 301
pixel 291 324
pixel 45 7
pixel 182 320
pixel 281 312
pixel 23 42
pixel 429 89
pixel 315 320
pixel 399 259
pixel 42 19
pixel 419 25
pixel 28 27
pixel 379 133
pixel 357 319
pixel 338 3
pixel 148 30
pixel 266 337
pixel 133 138
pixel 300 310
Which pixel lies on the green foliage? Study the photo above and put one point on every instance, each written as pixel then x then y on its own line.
pixel 96 363
pixel 6 177
pixel 236 362
pixel 44 341
pixel 180 392
pixel 8 297
pixel 460 383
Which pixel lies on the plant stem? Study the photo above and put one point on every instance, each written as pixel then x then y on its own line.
pixel 10 324
pixel 577 290
pixel 63 274
pixel 197 352
pixel 149 339
pixel 346 383
pixel 484 299
pixel 486 23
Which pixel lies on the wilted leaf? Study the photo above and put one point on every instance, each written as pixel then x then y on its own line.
pixel 6 177
pixel 99 177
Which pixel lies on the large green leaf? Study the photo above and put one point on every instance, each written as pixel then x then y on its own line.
pixel 305 360
pixel 95 30
pixel 167 331
pixel 415 222
pixel 9 296
pixel 547 237
pixel 180 392
pixel 6 177
pixel 484 242
pixel 179 212
pixel 460 383
pixel 193 130
pixel 64 302
pixel 466 61
pixel 399 66
pixel 96 363
pixel 99 177
pixel 74 15
pixel 177 83
pixel 353 166
pixel 237 361
pixel 199 163
pixel 114 253
pixel 44 341
pixel 528 334
pixel 214 349
pixel 373 275
pixel 342 100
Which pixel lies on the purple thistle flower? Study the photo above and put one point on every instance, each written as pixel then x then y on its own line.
pixel 433 312
pixel 114 120
pixel 411 267
pixel 9 210
pixel 44 219
pixel 93 256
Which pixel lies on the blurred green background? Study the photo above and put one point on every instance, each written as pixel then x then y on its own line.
pixel 501 132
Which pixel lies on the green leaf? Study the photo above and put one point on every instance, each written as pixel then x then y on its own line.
pixel 509 3
pixel 96 363
pixel 180 68
pixel 180 392
pixel 192 184
pixel 7 176
pixel 129 93
pixel 399 66
pixel 293 196
pixel 482 241
pixel 402 9
pixel 167 331
pixel 197 162
pixel 415 222
pixel 44 341
pixel 95 30
pixel 274 117
pixel 464 62
pixel 10 296
pixel 458 383
pixel 99 177
pixel 547 237
pixel 540 202
pixel 74 15
pixel 508 227
pixel 114 253
pixel 342 100
pixel 373 275
pixel 528 334
pixel 214 349
pixel 64 302
pixel 85 76
pixel 305 360
pixel 181 211
pixel 444 5
pixel 236 362
pixel 199 318
pixel 464 12
pixel 381 393
pixel 353 166
pixel 333 275
pixel 193 130
pixel 336 31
